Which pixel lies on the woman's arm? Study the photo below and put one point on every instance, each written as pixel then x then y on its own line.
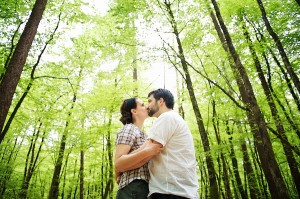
pixel 125 161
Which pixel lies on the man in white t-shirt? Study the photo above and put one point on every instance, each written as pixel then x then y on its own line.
pixel 173 172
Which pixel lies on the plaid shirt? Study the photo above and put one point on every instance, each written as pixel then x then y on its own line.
pixel 131 135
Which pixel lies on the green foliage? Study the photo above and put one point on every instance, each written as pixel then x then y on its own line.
pixel 92 56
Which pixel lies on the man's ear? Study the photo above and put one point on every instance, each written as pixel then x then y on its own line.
pixel 161 101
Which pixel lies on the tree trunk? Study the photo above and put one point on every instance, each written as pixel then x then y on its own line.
pixel 235 165
pixel 224 173
pixel 110 185
pixel 180 94
pixel 30 165
pixel 15 67
pixel 32 78
pixel 253 186
pixel 280 129
pixel 214 192
pixel 262 40
pixel 81 173
pixel 279 46
pixel 9 162
pixel 54 189
pixel 259 172
pixel 11 50
pixel 262 140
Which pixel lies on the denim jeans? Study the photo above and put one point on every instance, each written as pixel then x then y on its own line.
pixel 137 189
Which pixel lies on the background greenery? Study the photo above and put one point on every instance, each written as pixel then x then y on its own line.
pixel 88 56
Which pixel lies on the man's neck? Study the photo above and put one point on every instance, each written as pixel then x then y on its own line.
pixel 163 110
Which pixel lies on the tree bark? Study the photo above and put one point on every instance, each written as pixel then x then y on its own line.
pixel 253 186
pixel 30 165
pixel 276 117
pixel 54 189
pixel 257 123
pixel 11 50
pixel 279 45
pixel 81 173
pixel 262 40
pixel 224 173
pixel 214 192
pixel 32 78
pixel 235 165
pixel 15 67
pixel 9 162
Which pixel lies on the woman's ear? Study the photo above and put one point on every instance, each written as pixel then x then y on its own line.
pixel 133 111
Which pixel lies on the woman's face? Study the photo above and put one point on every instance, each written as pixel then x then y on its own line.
pixel 141 110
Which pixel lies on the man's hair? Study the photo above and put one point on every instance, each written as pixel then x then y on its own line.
pixel 165 94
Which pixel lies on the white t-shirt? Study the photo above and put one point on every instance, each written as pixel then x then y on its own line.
pixel 173 171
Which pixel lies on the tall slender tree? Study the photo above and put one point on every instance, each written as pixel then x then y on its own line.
pixel 279 124
pixel 258 126
pixel 15 67
pixel 54 189
pixel 214 192
pixel 280 47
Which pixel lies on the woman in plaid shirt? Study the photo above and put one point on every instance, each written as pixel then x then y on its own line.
pixel 131 168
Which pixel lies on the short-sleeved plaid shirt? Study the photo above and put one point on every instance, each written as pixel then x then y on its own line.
pixel 131 135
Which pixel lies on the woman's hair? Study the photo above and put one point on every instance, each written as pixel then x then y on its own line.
pixel 125 110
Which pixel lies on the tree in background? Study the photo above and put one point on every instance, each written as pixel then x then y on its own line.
pixel 14 69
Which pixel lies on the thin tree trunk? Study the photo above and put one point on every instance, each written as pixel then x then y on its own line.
pixel 81 173
pixel 6 175
pixel 280 129
pixel 180 94
pixel 262 40
pixel 77 180
pixel 235 164
pixel 30 166
pixel 203 179
pixel 15 67
pixel 32 78
pixel 224 173
pixel 262 140
pixel 64 174
pixel 279 45
pixel 253 186
pixel 54 189
pixel 259 171
pixel 11 50
pixel 109 186
pixel 214 192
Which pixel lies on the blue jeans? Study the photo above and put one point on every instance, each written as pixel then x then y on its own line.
pixel 137 189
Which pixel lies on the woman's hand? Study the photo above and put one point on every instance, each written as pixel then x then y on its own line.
pixel 153 147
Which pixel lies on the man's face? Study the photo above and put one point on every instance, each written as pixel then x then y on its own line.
pixel 152 107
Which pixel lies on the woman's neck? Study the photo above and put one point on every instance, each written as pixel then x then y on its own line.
pixel 139 124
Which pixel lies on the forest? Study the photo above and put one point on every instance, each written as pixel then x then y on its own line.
pixel 67 65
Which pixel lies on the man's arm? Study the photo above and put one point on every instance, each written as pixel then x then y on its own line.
pixel 125 161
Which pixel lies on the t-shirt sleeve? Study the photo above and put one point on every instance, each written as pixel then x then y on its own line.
pixel 162 130
pixel 126 135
